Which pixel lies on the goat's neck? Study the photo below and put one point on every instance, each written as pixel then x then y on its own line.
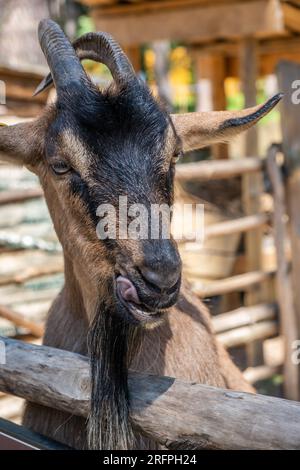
pixel 72 311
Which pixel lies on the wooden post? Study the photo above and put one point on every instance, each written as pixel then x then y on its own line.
pixel 283 285
pixel 134 55
pixel 252 186
pixel 211 68
pixel 288 74
pixel 161 72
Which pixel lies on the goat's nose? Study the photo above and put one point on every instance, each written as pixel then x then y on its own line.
pixel 162 264
pixel 163 280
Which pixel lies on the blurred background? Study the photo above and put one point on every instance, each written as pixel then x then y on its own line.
pixel 195 55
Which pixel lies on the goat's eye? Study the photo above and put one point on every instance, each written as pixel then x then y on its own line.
pixel 60 168
pixel 176 156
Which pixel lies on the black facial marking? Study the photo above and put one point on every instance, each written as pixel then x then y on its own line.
pixel 124 136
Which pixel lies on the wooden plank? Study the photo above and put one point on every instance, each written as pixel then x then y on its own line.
pixel 241 224
pixel 229 227
pixel 22 86
pixel 265 47
pixel 248 334
pixel 212 67
pixel 208 170
pixel 243 316
pixel 19 320
pixel 240 282
pixel 254 374
pixel 291 15
pixel 219 73
pixel 269 50
pixel 294 2
pixel 135 56
pixel 191 22
pixel 33 272
pixel 113 7
pixel 177 414
pixel 284 291
pixel 13 196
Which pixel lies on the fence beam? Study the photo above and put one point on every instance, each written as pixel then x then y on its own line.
pixel 247 334
pixel 244 316
pixel 240 282
pixel 178 414
pixel 239 225
pixel 18 320
pixel 13 196
pixel 217 169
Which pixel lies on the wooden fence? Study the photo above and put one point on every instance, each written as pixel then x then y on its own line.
pixel 178 414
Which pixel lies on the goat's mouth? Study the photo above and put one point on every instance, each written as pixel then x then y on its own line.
pixel 133 307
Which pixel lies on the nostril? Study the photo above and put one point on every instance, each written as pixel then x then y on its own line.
pixel 158 279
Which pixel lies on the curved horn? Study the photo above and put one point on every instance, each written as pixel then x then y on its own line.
pixel 100 47
pixel 63 62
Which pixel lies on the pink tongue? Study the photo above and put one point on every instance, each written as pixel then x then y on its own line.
pixel 127 290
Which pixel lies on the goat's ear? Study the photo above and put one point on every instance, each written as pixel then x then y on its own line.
pixel 21 143
pixel 200 129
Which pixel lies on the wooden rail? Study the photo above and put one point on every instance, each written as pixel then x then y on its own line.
pixel 17 319
pixel 246 324
pixel 17 195
pixel 242 224
pixel 177 414
pixel 217 169
pixel 244 316
pixel 241 282
pixel 254 374
pixel 248 334
pixel 229 227
pixel 32 273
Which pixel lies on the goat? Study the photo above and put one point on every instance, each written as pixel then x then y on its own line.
pixel 123 303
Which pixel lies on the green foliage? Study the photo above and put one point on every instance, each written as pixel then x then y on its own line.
pixel 85 25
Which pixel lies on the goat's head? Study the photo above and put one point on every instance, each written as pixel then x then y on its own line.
pixel 91 147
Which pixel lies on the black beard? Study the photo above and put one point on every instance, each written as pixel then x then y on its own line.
pixel 111 344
